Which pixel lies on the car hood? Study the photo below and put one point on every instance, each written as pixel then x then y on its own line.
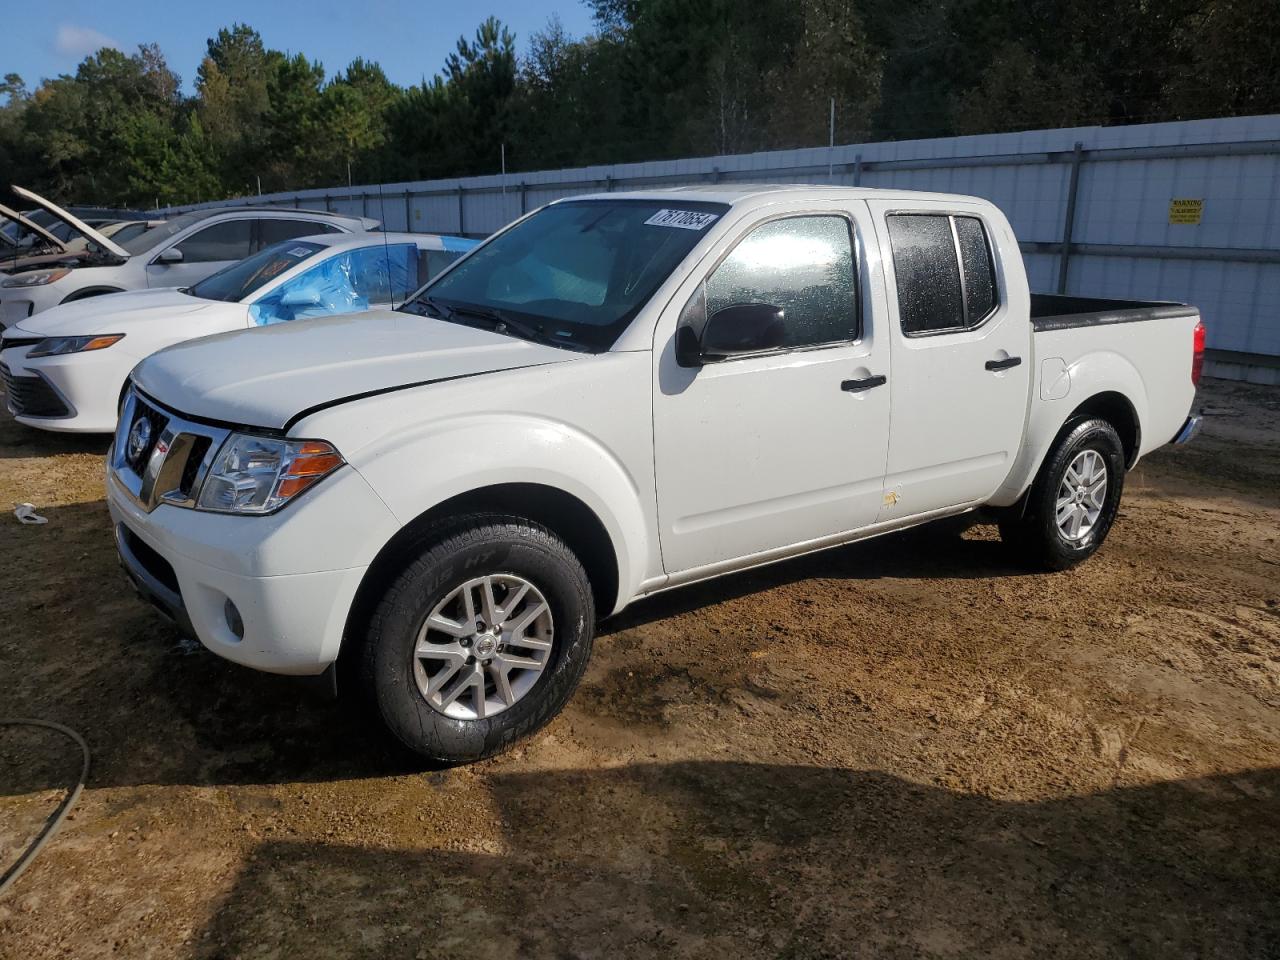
pixel 75 223
pixel 41 232
pixel 112 313
pixel 268 376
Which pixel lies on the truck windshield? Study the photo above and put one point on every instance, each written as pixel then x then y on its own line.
pixel 575 273
pixel 232 284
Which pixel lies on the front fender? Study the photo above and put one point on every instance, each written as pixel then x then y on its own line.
pixel 439 461
pixel 1097 372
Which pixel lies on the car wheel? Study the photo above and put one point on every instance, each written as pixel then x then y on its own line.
pixel 480 640
pixel 1070 508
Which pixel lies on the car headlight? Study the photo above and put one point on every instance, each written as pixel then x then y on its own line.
pixel 35 278
pixel 253 474
pixel 57 346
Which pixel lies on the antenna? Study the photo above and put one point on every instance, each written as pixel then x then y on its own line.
pixel 386 244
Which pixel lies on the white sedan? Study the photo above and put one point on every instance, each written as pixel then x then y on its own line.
pixel 64 369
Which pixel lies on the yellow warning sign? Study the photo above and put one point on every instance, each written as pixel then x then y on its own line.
pixel 1186 211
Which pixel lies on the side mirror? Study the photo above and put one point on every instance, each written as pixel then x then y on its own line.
pixel 742 328
pixel 300 296
pixel 172 255
pixel 688 349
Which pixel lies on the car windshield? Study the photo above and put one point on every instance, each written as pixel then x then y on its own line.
pixel 575 273
pixel 234 283
pixel 157 235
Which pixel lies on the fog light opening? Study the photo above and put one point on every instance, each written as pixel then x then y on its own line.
pixel 234 622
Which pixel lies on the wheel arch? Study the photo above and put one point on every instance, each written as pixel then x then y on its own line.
pixel 559 511
pixel 1117 410
pixel 86 292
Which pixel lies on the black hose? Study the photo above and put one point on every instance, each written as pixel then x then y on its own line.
pixel 55 819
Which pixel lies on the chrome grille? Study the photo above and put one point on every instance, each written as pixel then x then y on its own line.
pixel 159 457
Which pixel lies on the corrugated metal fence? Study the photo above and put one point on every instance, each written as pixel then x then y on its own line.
pixel 1094 206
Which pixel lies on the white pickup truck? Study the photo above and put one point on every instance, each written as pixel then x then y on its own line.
pixel 617 395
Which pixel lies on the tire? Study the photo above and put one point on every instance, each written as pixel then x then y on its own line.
pixel 507 550
pixel 1034 533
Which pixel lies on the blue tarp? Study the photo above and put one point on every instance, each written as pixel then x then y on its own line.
pixel 346 283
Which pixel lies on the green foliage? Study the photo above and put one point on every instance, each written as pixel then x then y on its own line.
pixel 657 78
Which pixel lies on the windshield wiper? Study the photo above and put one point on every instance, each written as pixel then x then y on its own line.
pixel 502 323
pixel 420 304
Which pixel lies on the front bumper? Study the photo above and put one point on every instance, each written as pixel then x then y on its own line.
pixel 192 565
pixel 75 393
pixel 33 397
pixel 1189 429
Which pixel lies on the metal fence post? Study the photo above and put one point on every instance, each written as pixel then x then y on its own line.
pixel 857 170
pixel 1068 228
pixel 523 187
pixel 408 213
pixel 462 215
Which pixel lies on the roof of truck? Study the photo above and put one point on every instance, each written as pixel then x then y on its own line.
pixel 732 193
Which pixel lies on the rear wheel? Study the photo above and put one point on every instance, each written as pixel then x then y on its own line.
pixel 1070 508
pixel 480 640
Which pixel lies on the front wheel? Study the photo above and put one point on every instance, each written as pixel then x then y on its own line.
pixel 481 640
pixel 1074 500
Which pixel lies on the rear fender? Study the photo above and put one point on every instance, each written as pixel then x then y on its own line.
pixel 1090 375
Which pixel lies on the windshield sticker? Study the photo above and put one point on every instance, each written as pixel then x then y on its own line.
pixel 684 219
pixel 297 252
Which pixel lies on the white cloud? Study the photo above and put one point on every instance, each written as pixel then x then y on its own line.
pixel 73 41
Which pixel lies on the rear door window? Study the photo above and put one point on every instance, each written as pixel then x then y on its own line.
pixel 432 263
pixel 945 274
pixel 228 240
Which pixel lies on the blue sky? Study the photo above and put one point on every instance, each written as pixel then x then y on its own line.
pixel 409 39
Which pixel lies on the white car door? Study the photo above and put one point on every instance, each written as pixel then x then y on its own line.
pixel 762 451
pixel 200 253
pixel 960 333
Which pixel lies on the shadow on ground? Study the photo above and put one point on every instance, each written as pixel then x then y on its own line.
pixel 747 860
pixel 17 441
pixel 157 708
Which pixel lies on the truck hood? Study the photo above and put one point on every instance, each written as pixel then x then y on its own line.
pixel 112 313
pixel 268 376
pixel 75 223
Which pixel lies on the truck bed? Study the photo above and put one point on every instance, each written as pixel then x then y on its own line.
pixel 1053 312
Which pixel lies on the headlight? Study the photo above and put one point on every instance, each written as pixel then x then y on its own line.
pixel 36 278
pixel 57 346
pixel 261 474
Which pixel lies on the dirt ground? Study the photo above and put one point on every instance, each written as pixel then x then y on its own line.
pixel 905 748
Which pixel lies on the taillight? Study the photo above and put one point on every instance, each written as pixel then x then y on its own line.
pixel 1197 354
